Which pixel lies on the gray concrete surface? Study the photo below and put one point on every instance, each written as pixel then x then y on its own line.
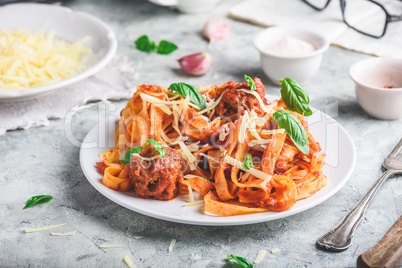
pixel 42 161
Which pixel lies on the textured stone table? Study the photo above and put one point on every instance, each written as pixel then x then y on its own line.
pixel 42 161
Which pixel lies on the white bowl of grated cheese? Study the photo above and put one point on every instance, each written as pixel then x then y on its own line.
pixel 290 52
pixel 75 31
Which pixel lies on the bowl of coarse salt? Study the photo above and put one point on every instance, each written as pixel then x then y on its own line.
pixel 290 52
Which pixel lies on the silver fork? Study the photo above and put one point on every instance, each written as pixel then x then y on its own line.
pixel 339 238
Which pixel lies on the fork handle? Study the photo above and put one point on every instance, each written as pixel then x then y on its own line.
pixel 339 238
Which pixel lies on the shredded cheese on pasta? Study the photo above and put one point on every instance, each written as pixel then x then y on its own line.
pixel 257 173
pixel 29 60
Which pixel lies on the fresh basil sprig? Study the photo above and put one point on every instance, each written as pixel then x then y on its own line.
pixel 165 47
pixel 143 43
pixel 250 81
pixel 188 90
pixel 295 96
pixel 248 162
pixel 242 261
pixel 157 146
pixel 294 129
pixel 37 199
pixel 129 154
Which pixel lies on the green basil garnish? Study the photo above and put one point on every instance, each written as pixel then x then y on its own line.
pixel 37 199
pixel 188 90
pixel 144 44
pixel 165 47
pixel 248 162
pixel 295 96
pixel 157 146
pixel 250 81
pixel 242 261
pixel 129 154
pixel 294 129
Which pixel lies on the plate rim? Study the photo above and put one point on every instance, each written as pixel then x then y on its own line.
pixel 238 221
pixel 23 94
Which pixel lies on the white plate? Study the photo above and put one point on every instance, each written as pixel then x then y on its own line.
pixel 165 3
pixel 69 25
pixel 335 141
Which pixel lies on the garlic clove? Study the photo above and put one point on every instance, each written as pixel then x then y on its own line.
pixel 216 29
pixel 196 64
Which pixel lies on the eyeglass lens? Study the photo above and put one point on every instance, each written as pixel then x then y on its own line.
pixel 362 15
pixel 375 17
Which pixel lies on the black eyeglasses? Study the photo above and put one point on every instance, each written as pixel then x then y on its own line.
pixel 374 24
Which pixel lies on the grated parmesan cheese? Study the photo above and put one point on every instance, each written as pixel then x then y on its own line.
pixel 212 105
pixel 64 234
pixel 129 262
pixel 195 203
pixel 29 60
pixel 272 131
pixel 258 97
pixel 275 250
pixel 109 246
pixel 171 246
pixel 190 176
pixel 257 173
pixel 44 228
pixel 190 194
pixel 261 255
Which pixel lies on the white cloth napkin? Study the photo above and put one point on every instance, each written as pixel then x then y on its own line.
pixel 113 82
pixel 328 22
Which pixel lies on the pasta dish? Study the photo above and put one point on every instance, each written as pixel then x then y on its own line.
pixel 242 153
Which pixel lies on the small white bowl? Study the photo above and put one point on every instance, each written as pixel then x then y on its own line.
pixel 299 67
pixel 370 77
pixel 188 6
pixel 68 25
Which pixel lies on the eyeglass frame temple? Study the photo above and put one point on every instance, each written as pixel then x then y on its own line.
pixel 317 8
pixel 389 18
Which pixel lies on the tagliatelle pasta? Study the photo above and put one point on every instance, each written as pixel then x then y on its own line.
pixel 232 152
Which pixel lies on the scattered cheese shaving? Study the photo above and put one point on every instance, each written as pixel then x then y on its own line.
pixel 195 203
pixel 190 194
pixel 257 173
pixel 258 97
pixel 188 155
pixel 260 256
pixel 243 126
pixel 171 246
pixel 190 176
pixel 272 131
pixel 157 102
pixel 64 234
pixel 31 60
pixel 129 262
pixel 212 105
pixel 147 158
pixel 100 155
pixel 138 237
pixel 110 246
pixel 44 228
pixel 275 250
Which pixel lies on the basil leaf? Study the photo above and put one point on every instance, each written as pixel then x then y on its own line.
pixel 294 129
pixel 157 146
pixel 129 154
pixel 248 162
pixel 295 96
pixel 242 261
pixel 144 44
pixel 37 199
pixel 188 90
pixel 250 81
pixel 165 47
